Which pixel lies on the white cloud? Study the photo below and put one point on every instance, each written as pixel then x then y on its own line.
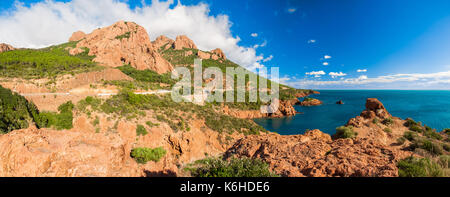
pixel 268 58
pixel 49 22
pixel 311 41
pixel 260 45
pixel 335 74
pixel 316 73
pixel 326 63
pixel 327 57
pixel 414 81
pixel 361 70
pixel 254 35
pixel 291 10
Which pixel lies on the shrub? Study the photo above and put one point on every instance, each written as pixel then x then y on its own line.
pixel 432 147
pixel 387 130
pixel 401 140
pixel 419 167
pixel 410 135
pixel 375 121
pixel 235 167
pixel 144 155
pixel 446 131
pixel 433 134
pixel 345 132
pixel 140 130
pixel 151 124
pixel 388 121
pixel 63 120
pixel 416 128
pixel 410 122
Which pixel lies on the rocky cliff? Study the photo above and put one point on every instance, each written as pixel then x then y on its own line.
pixel 119 44
pixel 371 153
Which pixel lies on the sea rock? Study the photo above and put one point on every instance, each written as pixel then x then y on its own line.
pixel 311 102
pixel 184 42
pixel 6 47
pixel 77 36
pixel 124 43
pixel 374 108
pixel 340 102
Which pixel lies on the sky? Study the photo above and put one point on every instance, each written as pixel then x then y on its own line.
pixel 320 44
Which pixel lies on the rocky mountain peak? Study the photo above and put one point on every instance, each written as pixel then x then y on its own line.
pixel 122 43
pixel 184 42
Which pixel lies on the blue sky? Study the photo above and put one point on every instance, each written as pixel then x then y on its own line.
pixel 401 44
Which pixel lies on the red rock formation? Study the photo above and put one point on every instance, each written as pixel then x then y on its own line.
pixel 163 41
pixel 123 43
pixel 312 102
pixel 203 55
pixel 77 36
pixel 218 53
pixel 184 42
pixel 371 154
pixel 5 47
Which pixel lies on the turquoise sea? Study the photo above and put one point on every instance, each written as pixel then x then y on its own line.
pixel 431 107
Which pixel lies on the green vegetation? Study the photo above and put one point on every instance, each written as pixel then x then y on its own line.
pixel 235 167
pixel 388 121
pixel 430 140
pixel 424 167
pixel 47 62
pixel 446 131
pixel 129 105
pixel 144 155
pixel 151 124
pixel 125 35
pixel 15 111
pixel 387 130
pixel 140 130
pixel 147 75
pixel 60 121
pixel 401 140
pixel 345 132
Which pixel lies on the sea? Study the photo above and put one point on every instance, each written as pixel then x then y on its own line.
pixel 431 107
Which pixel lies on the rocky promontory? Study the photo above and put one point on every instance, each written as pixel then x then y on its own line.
pixel 6 47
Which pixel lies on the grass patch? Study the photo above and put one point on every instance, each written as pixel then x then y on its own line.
pixel 125 35
pixel 144 155
pixel 59 121
pixel 235 167
pixel 388 121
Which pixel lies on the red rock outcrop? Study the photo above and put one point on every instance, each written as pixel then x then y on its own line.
pixel 163 41
pixel 218 53
pixel 77 36
pixel 203 55
pixel 183 42
pixel 124 43
pixel 311 102
pixel 373 153
pixel 5 47
pixel 315 154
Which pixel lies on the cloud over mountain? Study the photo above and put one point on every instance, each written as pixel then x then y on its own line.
pixel 49 22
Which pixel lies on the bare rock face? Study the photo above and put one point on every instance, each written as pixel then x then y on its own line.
pixel 218 53
pixel 184 42
pixel 285 109
pixel 314 154
pixel 77 36
pixel 374 108
pixel 124 43
pixel 5 47
pixel 163 41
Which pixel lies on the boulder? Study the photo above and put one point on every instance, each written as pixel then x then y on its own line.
pixel 218 53
pixel 340 102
